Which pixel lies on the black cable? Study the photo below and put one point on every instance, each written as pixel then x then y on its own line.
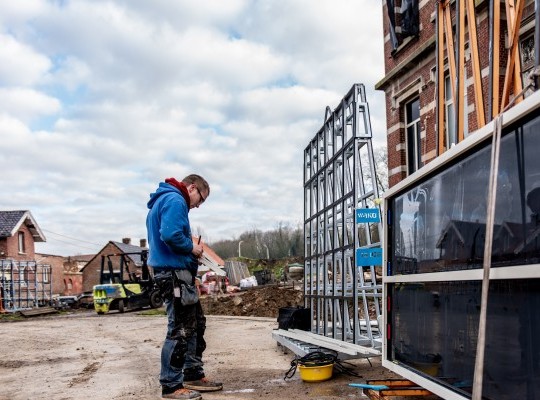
pixel 319 358
pixel 313 359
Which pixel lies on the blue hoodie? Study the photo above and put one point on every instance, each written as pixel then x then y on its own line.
pixel 169 233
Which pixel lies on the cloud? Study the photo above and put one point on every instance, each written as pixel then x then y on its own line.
pixel 104 100
pixel 22 65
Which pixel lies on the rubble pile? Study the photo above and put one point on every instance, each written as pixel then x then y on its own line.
pixel 260 301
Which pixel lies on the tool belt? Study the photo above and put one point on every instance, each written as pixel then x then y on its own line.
pixel 184 287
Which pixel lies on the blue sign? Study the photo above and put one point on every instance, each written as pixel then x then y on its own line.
pixel 368 257
pixel 367 215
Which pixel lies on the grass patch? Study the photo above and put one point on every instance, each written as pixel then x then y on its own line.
pixel 10 317
pixel 154 311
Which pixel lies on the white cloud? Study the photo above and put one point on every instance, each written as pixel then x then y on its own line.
pixel 106 99
pixel 27 104
pixel 21 65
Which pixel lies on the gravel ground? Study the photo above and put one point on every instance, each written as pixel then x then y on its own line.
pixel 116 356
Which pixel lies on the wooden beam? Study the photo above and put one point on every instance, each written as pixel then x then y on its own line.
pixel 450 49
pixel 441 89
pixel 513 53
pixel 460 106
pixel 475 59
pixel 495 43
pixel 512 23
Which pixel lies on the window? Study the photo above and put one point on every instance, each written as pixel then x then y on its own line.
pixel 22 248
pixel 526 48
pixel 435 250
pixel 46 274
pixel 449 114
pixel 412 126
pixel 440 223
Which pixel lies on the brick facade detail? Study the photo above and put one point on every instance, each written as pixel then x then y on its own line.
pixel 411 71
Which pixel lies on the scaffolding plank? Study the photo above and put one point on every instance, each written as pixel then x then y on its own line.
pixel 38 311
pixel 394 388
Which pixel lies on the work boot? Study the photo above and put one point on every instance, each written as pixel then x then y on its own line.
pixel 182 394
pixel 203 385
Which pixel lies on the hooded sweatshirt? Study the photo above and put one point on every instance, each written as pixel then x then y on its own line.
pixel 169 233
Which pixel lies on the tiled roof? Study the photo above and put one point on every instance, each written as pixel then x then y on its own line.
pixel 129 248
pixel 210 252
pixel 9 220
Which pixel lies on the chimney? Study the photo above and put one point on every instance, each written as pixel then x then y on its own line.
pixel 143 243
pixel 126 240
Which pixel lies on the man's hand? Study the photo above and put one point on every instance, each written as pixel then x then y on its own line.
pixel 197 250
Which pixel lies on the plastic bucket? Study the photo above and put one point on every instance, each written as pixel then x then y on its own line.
pixel 317 373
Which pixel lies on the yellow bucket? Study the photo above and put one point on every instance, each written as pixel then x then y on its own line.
pixel 317 373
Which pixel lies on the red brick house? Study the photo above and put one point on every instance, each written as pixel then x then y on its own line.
pixel 18 233
pixel 23 282
pixel 422 72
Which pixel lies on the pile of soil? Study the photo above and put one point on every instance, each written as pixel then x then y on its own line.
pixel 260 301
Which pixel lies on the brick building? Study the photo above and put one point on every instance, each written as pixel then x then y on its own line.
pixel 23 282
pixel 92 270
pixel 417 35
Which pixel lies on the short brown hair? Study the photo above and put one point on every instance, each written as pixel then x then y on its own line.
pixel 198 181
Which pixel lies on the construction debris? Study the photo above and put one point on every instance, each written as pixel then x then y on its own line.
pixel 260 301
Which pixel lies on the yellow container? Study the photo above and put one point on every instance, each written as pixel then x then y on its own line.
pixel 316 374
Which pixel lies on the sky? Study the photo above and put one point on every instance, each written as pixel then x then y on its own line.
pixel 102 100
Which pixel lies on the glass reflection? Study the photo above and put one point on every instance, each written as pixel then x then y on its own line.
pixel 440 223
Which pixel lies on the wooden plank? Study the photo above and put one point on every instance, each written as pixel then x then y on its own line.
pixel 397 387
pixel 441 87
pixel 495 40
pixel 392 382
pixel 475 59
pixel 459 104
pixel 513 55
pixel 38 311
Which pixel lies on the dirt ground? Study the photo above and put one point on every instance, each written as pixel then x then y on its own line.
pixel 261 301
pixel 81 355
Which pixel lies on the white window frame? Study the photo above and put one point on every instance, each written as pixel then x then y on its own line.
pixel 21 244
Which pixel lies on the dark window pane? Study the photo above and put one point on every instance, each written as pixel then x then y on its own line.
pixel 434 326
pixel 413 110
pixel 439 225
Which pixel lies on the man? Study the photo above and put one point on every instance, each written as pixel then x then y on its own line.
pixel 174 259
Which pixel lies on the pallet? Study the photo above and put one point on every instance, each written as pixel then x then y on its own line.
pixel 38 311
pixel 395 387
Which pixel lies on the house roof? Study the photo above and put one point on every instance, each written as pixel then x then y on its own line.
pixel 82 257
pixel 124 248
pixel 211 254
pixel 11 221
pixel 129 248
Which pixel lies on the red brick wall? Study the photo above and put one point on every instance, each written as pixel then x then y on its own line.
pixel 57 270
pixel 73 283
pixel 10 246
pixel 92 270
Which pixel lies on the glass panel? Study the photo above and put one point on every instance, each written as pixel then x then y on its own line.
pixel 413 110
pixel 434 326
pixel 439 224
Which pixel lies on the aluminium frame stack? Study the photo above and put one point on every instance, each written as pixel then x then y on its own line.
pixel 24 285
pixel 339 178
